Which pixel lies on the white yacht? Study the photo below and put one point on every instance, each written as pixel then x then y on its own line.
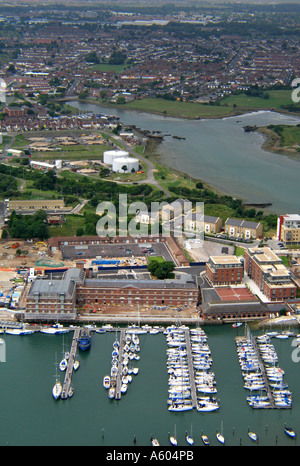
pixel 57 389
pixel 189 439
pixel 220 437
pixel 106 381
pixel 252 435
pixel 19 331
pixel 173 440
pixel 76 365
pixel 63 365
pixel 54 330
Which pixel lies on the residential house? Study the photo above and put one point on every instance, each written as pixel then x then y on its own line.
pixel 240 228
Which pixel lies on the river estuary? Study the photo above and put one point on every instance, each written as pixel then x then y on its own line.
pixel 221 153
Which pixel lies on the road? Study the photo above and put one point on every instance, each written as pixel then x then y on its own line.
pixel 150 169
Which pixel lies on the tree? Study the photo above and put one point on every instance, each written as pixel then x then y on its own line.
pixel 124 168
pixel 161 269
pixel 92 57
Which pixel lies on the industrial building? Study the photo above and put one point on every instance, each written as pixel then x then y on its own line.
pixel 125 165
pixel 110 155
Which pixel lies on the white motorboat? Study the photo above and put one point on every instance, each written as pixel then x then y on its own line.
pixel 54 330
pixel 106 381
pixel 19 331
pixel 76 365
pixel 282 336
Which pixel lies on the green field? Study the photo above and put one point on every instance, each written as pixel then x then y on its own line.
pixel 289 135
pixel 181 109
pixel 232 105
pixel 106 67
pixel 276 100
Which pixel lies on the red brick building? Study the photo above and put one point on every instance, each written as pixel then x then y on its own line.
pixel 94 293
pixel 268 272
pixel 14 111
pixel 224 270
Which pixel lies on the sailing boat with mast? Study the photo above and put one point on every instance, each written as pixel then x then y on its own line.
pixel 219 435
pixel 57 388
pixel 173 439
pixel 64 363
pixel 189 438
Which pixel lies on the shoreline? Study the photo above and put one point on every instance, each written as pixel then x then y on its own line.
pixel 232 112
pixel 271 144
pixel 218 190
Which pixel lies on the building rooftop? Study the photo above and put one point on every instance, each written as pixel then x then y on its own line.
pixel 225 260
pixel 63 285
pixel 151 284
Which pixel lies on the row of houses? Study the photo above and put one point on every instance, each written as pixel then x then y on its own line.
pixel 179 214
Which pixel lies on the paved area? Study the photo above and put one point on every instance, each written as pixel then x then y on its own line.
pixel 110 251
pixel 209 248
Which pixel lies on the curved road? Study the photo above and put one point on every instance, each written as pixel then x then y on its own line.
pixel 150 168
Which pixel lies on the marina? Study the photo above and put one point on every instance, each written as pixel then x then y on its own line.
pixel 107 418
pixel 262 376
pixel 125 351
pixel 191 383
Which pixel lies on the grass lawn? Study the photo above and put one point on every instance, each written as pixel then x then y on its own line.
pixel 239 251
pixel 69 228
pixel 290 136
pixel 155 259
pixel 276 99
pixel 180 109
pixel 107 67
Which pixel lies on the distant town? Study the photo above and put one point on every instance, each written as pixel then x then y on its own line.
pixel 58 163
pixel 119 55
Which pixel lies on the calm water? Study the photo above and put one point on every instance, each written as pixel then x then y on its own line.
pixel 222 154
pixel 30 416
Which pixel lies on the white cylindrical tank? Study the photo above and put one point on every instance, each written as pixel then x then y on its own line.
pixel 129 162
pixel 110 155
pixel 58 164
